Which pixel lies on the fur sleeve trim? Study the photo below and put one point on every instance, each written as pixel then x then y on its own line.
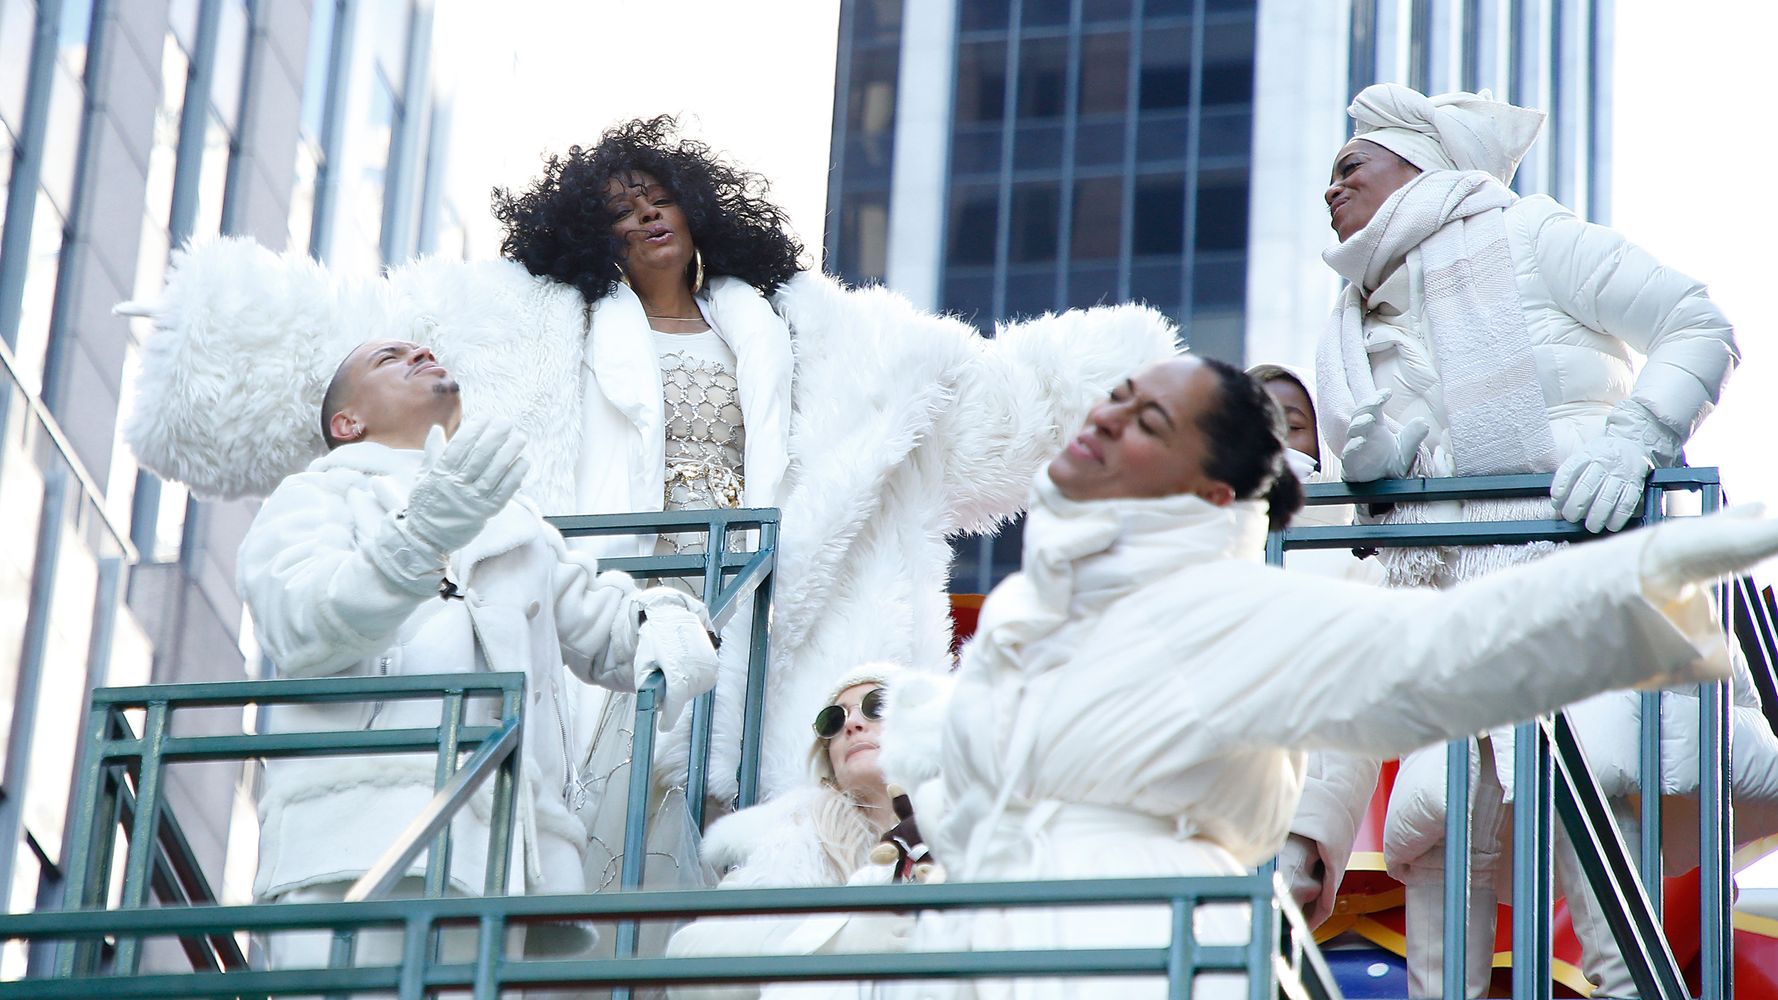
pixel 1028 390
pixel 229 393
pixel 770 844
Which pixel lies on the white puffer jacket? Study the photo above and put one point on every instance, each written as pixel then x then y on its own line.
pixel 321 607
pixel 879 430
pixel 1593 302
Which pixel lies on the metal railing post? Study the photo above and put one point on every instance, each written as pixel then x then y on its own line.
pixel 1456 917
pixel 1716 812
pixel 1533 842
pixel 753 717
pixel 1649 769
pixel 1599 847
pixel 140 855
pixel 636 814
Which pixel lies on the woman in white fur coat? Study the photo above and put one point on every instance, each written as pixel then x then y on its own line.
pixel 879 430
pixel 1481 333
pixel 821 833
pixel 1135 702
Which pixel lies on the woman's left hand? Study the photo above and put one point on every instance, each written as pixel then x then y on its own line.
pixel 1601 484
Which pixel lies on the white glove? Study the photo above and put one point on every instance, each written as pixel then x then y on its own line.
pixel 1305 878
pixel 1372 450
pixel 1302 466
pixel 1700 549
pixel 463 484
pixel 674 639
pixel 1601 484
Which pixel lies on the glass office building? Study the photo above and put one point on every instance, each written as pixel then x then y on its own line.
pixel 129 128
pixel 1001 158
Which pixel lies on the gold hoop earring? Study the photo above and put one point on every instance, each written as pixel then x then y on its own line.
pixel 697 277
pixel 623 277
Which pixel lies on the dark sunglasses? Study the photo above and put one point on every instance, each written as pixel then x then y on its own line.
pixel 830 720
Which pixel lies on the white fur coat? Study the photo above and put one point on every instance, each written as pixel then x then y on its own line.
pixel 905 428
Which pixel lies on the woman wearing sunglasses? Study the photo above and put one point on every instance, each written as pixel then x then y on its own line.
pixel 822 833
pixel 1136 702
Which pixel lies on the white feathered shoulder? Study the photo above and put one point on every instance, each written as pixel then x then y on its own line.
pixel 228 400
pixel 228 397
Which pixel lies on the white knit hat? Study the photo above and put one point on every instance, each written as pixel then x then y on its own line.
pixel 1457 131
pixel 881 672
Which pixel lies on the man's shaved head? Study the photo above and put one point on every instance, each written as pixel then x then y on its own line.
pixel 390 391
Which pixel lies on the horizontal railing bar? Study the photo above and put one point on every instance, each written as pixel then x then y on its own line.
pixel 689 565
pixel 685 902
pixel 322 744
pixel 660 971
pixel 1482 487
pixel 681 521
pixel 1436 533
pixel 308 689
pixel 859 966
pixel 393 865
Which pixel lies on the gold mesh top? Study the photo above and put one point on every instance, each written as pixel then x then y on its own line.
pixel 706 437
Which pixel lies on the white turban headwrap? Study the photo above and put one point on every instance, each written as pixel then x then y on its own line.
pixel 1459 131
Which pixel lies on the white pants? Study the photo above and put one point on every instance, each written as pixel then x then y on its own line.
pixel 1490 870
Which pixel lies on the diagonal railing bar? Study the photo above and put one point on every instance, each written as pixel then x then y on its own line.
pixel 432 820
pixel 1587 818
pixel 176 877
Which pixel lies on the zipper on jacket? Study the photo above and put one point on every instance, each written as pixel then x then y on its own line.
pixel 377 709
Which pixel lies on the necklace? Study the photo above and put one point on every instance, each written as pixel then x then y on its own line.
pixel 676 319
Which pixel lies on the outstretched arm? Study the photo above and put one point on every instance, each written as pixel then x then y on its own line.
pixel 1020 395
pixel 1403 669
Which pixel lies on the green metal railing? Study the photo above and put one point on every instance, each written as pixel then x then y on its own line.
pixel 121 784
pixel 1278 958
pixel 1550 771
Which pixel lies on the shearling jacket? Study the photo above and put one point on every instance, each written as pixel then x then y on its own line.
pixel 322 607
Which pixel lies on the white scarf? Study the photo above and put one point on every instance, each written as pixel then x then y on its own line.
pixel 1079 558
pixel 1449 229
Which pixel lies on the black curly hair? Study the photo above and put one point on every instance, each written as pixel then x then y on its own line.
pixel 561 229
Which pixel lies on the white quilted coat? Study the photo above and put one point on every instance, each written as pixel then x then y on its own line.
pixel 1594 303
pixel 876 428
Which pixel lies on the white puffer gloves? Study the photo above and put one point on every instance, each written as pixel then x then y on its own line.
pixel 460 486
pixel 674 639
pixel 1602 483
pixel 1373 451
pixel 1305 877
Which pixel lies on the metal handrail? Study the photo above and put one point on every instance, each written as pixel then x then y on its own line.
pixel 1551 773
pixel 113 752
pixel 1279 944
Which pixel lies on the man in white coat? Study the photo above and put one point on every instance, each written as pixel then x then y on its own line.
pixel 397 553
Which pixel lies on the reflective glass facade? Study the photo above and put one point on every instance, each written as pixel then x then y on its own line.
pixel 127 129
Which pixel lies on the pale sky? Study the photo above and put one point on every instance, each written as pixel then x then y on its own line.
pixel 753 79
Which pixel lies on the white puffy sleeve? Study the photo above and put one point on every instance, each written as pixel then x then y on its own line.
pixel 323 597
pixel 1610 284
